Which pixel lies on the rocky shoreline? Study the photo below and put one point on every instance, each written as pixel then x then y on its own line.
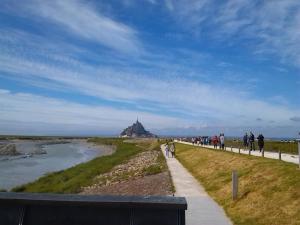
pixel 27 148
pixel 143 174
pixel 9 150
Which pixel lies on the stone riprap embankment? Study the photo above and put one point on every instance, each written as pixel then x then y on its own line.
pixel 133 178
pixel 9 150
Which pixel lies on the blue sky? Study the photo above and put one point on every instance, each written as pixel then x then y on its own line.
pixel 183 67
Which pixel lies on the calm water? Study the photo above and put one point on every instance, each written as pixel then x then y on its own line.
pixel 17 170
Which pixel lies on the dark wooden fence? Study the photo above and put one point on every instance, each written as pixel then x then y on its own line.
pixel 53 209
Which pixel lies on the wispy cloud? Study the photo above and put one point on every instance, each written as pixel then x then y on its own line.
pixel 273 26
pixel 27 109
pixel 81 19
pixel 295 119
pixel 169 87
pixel 23 113
pixel 199 100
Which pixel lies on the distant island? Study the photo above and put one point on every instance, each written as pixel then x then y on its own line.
pixel 136 130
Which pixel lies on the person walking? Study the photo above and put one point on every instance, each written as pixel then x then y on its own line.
pixel 215 141
pixel 222 141
pixel 172 149
pixel 245 140
pixel 251 141
pixel 260 142
pixel 167 150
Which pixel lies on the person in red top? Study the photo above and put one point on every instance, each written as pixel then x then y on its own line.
pixel 215 141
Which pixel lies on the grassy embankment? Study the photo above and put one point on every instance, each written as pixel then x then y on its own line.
pixel 269 190
pixel 73 179
pixel 272 146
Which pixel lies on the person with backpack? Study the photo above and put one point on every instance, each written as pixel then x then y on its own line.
pixel 260 142
pixel 252 141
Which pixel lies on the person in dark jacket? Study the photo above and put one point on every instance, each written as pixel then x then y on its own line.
pixel 245 140
pixel 251 141
pixel 261 142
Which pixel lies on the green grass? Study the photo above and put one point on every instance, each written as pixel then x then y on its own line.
pixel 71 180
pixel 272 146
pixel 269 190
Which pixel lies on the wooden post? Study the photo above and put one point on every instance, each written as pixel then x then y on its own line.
pixel 234 185
pixel 231 148
pixel 279 154
pixel 239 150
pixel 263 152
pixel 299 151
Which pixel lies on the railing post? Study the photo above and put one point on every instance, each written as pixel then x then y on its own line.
pixel 234 185
pixel 299 151
pixel 279 154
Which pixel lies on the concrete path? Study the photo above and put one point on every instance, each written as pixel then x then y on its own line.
pixel 202 210
pixel 272 155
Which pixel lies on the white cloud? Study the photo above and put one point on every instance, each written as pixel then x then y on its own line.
pixel 28 109
pixel 273 25
pixel 201 101
pixel 22 113
pixel 82 19
pixel 161 84
pixel 169 5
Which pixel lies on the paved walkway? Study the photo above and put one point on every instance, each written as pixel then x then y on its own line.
pixel 272 155
pixel 202 210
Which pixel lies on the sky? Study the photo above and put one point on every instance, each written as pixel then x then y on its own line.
pixel 183 67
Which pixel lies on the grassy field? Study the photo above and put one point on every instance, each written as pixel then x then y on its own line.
pixel 71 180
pixel 272 146
pixel 269 190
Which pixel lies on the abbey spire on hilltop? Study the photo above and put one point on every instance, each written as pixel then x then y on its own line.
pixel 136 130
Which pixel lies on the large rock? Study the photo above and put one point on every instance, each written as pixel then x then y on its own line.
pixel 9 149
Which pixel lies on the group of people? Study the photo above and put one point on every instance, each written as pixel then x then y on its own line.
pixel 170 148
pixel 249 141
pixel 204 140
pixel 219 141
pixel 214 140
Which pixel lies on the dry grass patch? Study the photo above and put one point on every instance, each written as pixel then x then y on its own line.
pixel 269 190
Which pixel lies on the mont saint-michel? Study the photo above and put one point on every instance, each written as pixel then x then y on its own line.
pixel 136 130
